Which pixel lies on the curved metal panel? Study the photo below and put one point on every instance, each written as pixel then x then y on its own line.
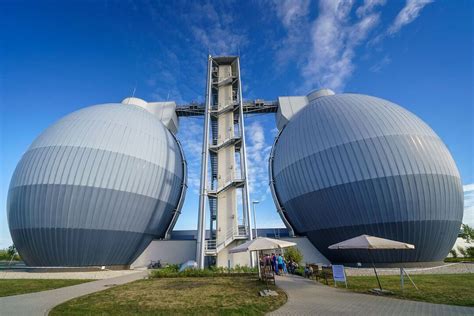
pixel 352 164
pixel 280 209
pixel 95 188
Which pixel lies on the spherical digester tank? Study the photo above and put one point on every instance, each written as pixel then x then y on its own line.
pixel 95 188
pixel 352 164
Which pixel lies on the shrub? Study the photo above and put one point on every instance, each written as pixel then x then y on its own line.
pixel 462 251
pixel 470 252
pixel 173 272
pixel 453 253
pixel 299 271
pixel 294 254
pixel 8 253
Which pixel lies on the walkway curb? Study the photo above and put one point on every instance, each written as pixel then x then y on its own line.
pixel 40 303
pixel 306 297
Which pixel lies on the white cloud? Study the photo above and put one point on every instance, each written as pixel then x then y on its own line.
pixel 330 41
pixel 294 17
pixel 368 6
pixel 378 66
pixel 190 136
pixel 290 11
pixel 214 28
pixel 258 151
pixel 407 15
pixel 334 39
pixel 468 204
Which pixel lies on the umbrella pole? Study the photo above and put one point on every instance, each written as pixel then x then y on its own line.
pixel 375 270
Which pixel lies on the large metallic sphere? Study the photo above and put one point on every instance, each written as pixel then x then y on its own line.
pixel 95 188
pixel 352 164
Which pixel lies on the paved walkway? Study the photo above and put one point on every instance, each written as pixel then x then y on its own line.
pixel 76 275
pixel 40 303
pixel 306 297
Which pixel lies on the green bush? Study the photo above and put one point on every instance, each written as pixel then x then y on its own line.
pixel 173 272
pixel 453 253
pixel 8 253
pixel 466 233
pixel 462 251
pixel 293 254
pixel 459 259
pixel 470 252
pixel 299 271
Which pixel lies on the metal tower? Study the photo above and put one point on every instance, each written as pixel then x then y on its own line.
pixel 223 166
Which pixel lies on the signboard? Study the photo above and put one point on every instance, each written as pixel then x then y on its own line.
pixel 339 274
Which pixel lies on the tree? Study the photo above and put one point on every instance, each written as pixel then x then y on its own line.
pixel 294 254
pixel 11 251
pixel 466 233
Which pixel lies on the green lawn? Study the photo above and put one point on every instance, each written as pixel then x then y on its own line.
pixel 460 259
pixel 178 296
pixel 453 289
pixel 22 286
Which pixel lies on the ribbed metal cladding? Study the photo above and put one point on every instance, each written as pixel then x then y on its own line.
pixel 95 188
pixel 351 164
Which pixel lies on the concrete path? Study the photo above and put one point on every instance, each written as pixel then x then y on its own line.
pixel 306 297
pixel 40 303
pixel 76 275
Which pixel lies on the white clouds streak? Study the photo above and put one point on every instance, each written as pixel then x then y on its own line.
pixel 290 11
pixel 468 205
pixel 214 28
pixel 190 135
pixel 334 40
pixel 331 40
pixel 258 151
pixel 407 15
pixel 294 17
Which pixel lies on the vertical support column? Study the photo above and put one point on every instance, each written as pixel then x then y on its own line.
pixel 201 233
pixel 245 190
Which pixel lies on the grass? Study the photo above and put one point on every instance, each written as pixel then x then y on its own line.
pixel 451 289
pixel 459 259
pixel 178 296
pixel 22 286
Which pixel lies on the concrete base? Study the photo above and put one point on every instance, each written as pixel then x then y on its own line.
pixel 167 251
pixel 179 251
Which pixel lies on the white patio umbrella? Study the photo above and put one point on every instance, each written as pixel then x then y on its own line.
pixel 260 244
pixel 371 243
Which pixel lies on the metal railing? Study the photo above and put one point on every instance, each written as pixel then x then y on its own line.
pixel 213 245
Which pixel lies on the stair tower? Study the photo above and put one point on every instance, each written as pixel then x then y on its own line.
pixel 224 177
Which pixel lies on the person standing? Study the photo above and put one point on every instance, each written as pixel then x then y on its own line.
pixel 280 263
pixel 274 263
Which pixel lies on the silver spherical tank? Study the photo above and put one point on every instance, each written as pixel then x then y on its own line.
pixel 95 188
pixel 351 164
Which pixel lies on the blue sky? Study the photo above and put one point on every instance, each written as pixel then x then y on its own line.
pixel 57 57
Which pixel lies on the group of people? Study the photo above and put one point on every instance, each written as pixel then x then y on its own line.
pixel 278 263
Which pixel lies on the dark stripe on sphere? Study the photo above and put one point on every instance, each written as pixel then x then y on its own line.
pixel 371 206
pixel 432 240
pixel 78 247
pixel 79 208
pixel 387 199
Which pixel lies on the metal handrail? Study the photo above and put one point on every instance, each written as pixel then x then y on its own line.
pixel 211 244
